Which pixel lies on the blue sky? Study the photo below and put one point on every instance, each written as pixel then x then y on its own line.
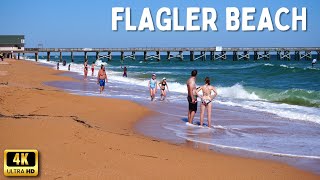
pixel 76 23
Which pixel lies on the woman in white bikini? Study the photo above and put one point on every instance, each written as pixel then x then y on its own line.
pixel 206 99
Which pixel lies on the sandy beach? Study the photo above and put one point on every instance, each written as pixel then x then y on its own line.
pixel 82 137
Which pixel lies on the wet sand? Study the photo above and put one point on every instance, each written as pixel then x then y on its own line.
pixel 82 137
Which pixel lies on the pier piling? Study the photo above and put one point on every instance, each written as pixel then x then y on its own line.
pixel 97 55
pixel 235 55
pixel 109 56
pixel 255 56
pixel 122 56
pixel 297 55
pixel 202 55
pixel 223 55
pixel 212 55
pixel 158 55
pixel 308 55
pixel 265 55
pixel 168 55
pixel 180 55
pixel 145 55
pixel 286 55
pixel 246 55
pixel 278 55
pixel 133 55
pixel 191 55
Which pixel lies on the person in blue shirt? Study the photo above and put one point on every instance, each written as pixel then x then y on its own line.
pixel 153 86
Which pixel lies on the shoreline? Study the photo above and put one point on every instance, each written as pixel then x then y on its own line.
pixel 137 159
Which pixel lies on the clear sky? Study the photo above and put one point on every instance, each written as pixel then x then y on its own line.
pixel 84 23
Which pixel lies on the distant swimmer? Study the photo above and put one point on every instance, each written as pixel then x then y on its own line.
pixel 85 69
pixel 206 100
pixel 102 78
pixel 124 71
pixel 64 63
pixel 192 96
pixel 69 66
pixel 163 84
pixel 153 86
pixel 314 61
pixel 58 66
pixel 92 68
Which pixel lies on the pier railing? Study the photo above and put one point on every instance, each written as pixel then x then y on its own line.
pixel 178 52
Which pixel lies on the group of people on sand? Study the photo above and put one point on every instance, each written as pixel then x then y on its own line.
pixel 193 91
pixel 193 94
pixel 206 98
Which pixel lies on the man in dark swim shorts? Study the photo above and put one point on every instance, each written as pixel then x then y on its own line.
pixel 192 106
pixel 192 96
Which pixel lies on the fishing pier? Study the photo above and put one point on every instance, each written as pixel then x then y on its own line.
pixel 211 53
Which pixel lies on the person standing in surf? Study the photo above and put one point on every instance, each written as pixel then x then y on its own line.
pixel 206 100
pixel 85 69
pixel 124 71
pixel 192 96
pixel 92 68
pixel 314 61
pixel 102 78
pixel 163 84
pixel 153 86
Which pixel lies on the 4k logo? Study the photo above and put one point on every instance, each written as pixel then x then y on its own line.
pixel 21 162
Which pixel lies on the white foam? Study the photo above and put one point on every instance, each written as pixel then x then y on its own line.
pixel 267 64
pixel 236 91
pixel 293 112
pixel 285 66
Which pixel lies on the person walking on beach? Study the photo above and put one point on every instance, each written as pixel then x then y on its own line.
pixel 58 66
pixel 85 70
pixel 69 66
pixel 163 84
pixel 153 86
pixel 92 68
pixel 102 78
pixel 192 96
pixel 124 71
pixel 314 61
pixel 206 100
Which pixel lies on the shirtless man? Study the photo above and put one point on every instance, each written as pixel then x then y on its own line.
pixel 102 78
pixel 206 99
pixel 192 96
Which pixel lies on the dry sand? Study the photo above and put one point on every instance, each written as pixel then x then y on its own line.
pixel 93 138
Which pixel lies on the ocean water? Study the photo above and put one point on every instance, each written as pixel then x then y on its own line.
pixel 267 107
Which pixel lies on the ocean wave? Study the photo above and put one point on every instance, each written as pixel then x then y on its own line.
pixel 293 103
pixel 293 96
